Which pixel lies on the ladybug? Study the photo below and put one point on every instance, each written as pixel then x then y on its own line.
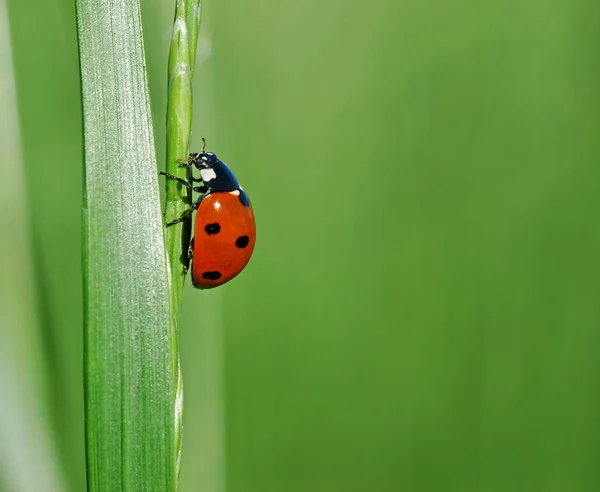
pixel 224 229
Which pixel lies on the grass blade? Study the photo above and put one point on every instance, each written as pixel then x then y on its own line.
pixel 129 357
pixel 182 55
pixel 179 126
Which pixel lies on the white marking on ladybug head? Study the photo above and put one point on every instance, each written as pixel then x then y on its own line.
pixel 208 174
pixel 235 192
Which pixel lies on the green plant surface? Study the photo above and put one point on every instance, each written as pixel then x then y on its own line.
pixel 130 383
pixel 182 56
pixel 179 126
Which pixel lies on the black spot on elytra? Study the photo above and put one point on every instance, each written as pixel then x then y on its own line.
pixel 242 241
pixel 212 228
pixel 211 275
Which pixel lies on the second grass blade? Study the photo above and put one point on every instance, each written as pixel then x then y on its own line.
pixel 178 199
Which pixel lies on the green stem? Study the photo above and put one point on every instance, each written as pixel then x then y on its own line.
pixel 179 126
pixel 178 198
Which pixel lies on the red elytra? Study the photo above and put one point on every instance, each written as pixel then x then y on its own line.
pixel 224 237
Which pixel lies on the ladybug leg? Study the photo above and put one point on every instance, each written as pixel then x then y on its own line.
pixel 177 178
pixel 187 184
pixel 192 159
pixel 187 213
pixel 191 250
pixel 190 255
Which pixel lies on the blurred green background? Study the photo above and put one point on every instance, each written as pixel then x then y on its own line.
pixel 422 311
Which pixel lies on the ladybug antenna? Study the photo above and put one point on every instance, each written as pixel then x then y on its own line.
pixel 203 144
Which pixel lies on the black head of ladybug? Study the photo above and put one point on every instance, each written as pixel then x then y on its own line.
pixel 215 174
pixel 204 159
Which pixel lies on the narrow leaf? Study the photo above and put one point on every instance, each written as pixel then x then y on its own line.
pixel 179 126
pixel 129 359
pixel 178 199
